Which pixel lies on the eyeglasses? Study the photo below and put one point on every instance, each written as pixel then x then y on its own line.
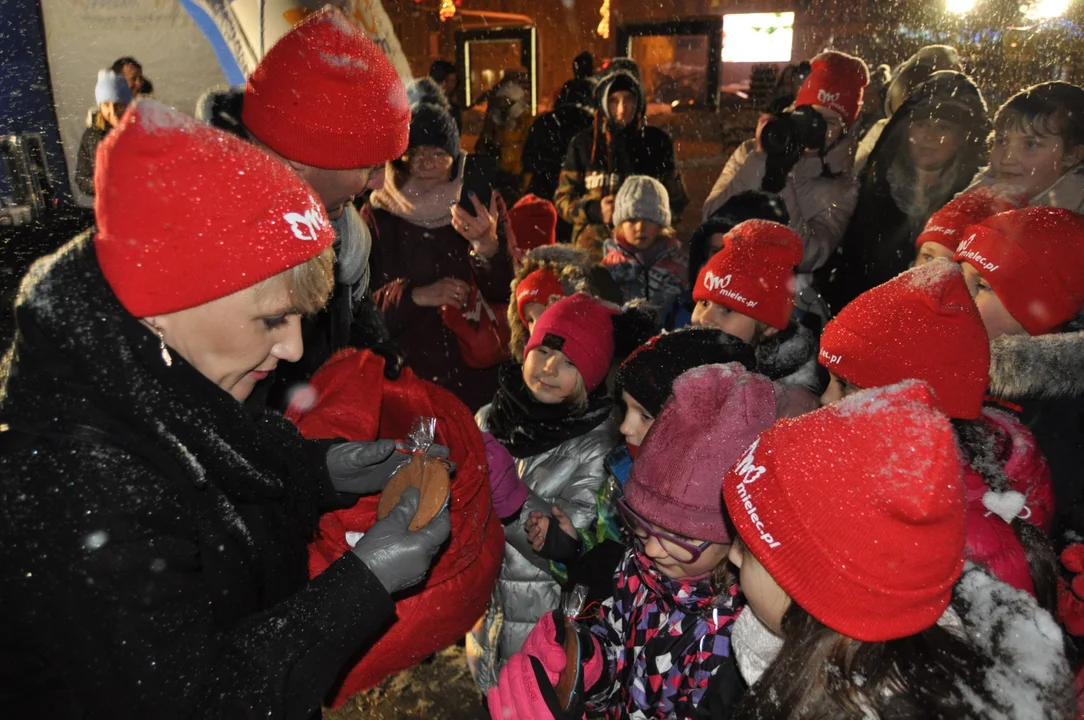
pixel 678 548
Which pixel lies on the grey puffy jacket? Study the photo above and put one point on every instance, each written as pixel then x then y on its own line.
pixel 567 476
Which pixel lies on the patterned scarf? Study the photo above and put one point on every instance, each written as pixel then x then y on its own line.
pixel 663 640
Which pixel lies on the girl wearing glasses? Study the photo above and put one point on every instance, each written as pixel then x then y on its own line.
pixel 664 632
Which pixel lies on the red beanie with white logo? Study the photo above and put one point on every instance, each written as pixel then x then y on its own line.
pixel 858 511
pixel 581 327
pixel 946 226
pixel 325 95
pixel 1033 259
pixel 540 286
pixel 921 324
pixel 836 81
pixel 754 272
pixel 185 213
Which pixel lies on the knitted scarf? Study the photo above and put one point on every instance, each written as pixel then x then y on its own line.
pixel 526 427
pixel 663 640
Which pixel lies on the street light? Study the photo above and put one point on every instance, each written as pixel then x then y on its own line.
pixel 960 7
pixel 1043 9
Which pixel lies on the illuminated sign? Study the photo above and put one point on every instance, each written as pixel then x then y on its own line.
pixel 758 37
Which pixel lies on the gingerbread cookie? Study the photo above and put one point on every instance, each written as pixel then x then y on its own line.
pixel 430 477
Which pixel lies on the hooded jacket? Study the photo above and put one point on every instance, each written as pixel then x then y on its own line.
pixel 880 239
pixel 153 531
pixel 602 156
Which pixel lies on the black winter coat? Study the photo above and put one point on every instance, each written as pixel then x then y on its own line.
pixel 547 143
pixel 153 532
pixel 84 159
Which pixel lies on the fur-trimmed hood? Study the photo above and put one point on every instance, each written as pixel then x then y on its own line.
pixel 572 266
pixel 221 107
pixel 790 357
pixel 1042 367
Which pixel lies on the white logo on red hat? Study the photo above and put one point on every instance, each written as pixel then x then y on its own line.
pixel 750 472
pixel 826 98
pixel 975 257
pixel 715 284
pixel 940 229
pixel 307 226
pixel 829 359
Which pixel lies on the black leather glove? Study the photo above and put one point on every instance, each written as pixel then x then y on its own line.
pixel 398 556
pixel 363 468
pixel 559 545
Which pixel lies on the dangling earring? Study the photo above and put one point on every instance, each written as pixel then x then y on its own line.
pixel 166 357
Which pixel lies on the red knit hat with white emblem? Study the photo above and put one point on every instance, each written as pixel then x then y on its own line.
pixel 836 81
pixel 857 511
pixel 185 213
pixel 325 95
pixel 754 272
pixel 946 226
pixel 921 324
pixel 1033 260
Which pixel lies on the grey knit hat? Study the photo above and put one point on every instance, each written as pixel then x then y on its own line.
pixel 642 198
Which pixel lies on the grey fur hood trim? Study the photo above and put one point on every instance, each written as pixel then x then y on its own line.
pixel 1043 367
pixel 790 357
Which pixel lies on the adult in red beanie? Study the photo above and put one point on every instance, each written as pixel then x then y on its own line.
pixel 1025 269
pixel 924 325
pixel 850 554
pixel 327 102
pixel 156 556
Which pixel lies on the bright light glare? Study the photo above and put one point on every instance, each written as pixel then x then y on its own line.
pixel 959 7
pixel 758 37
pixel 1042 9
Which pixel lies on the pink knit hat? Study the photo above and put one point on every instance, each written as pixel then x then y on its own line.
pixel 582 328
pixel 714 414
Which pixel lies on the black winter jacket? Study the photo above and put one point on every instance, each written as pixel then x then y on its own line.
pixel 153 532
pixel 84 159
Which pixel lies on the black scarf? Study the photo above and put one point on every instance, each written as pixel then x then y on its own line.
pixel 527 427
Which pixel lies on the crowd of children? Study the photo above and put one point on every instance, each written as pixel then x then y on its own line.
pixel 816 511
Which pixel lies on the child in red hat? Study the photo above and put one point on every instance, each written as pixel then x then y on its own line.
pixel 747 290
pixel 850 551
pixel 1025 269
pixel 662 633
pixel 944 231
pixel 815 184
pixel 553 417
pixel 923 325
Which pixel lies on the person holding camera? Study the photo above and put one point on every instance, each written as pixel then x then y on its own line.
pixel 805 154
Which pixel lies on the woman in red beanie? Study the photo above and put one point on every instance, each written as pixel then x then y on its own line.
pixel 816 185
pixel 859 601
pixel 552 417
pixel 1025 269
pixel 154 527
pixel 923 325
pixel 429 253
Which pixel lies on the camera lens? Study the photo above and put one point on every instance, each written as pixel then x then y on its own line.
pixel 778 137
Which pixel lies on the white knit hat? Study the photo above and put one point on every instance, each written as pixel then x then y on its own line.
pixel 642 198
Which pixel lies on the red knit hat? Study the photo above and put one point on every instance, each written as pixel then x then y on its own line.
pixel 580 326
pixel 946 226
pixel 325 95
pixel 754 272
pixel 185 213
pixel 863 528
pixel 836 81
pixel 921 324
pixel 1033 259
pixel 534 222
pixel 715 411
pixel 540 286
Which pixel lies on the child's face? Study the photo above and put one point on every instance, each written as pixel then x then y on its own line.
pixel 532 311
pixel 931 251
pixel 1030 161
pixel 995 317
pixel 709 314
pixel 674 568
pixel 637 421
pixel 640 234
pixel 766 599
pixel 837 389
pixel 933 143
pixel 550 375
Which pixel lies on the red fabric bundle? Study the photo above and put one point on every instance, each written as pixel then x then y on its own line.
pixel 354 401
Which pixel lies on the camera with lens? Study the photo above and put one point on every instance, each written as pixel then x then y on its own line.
pixel 789 133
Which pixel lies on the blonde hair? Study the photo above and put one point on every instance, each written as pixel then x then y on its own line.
pixel 309 283
pixel 578 397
